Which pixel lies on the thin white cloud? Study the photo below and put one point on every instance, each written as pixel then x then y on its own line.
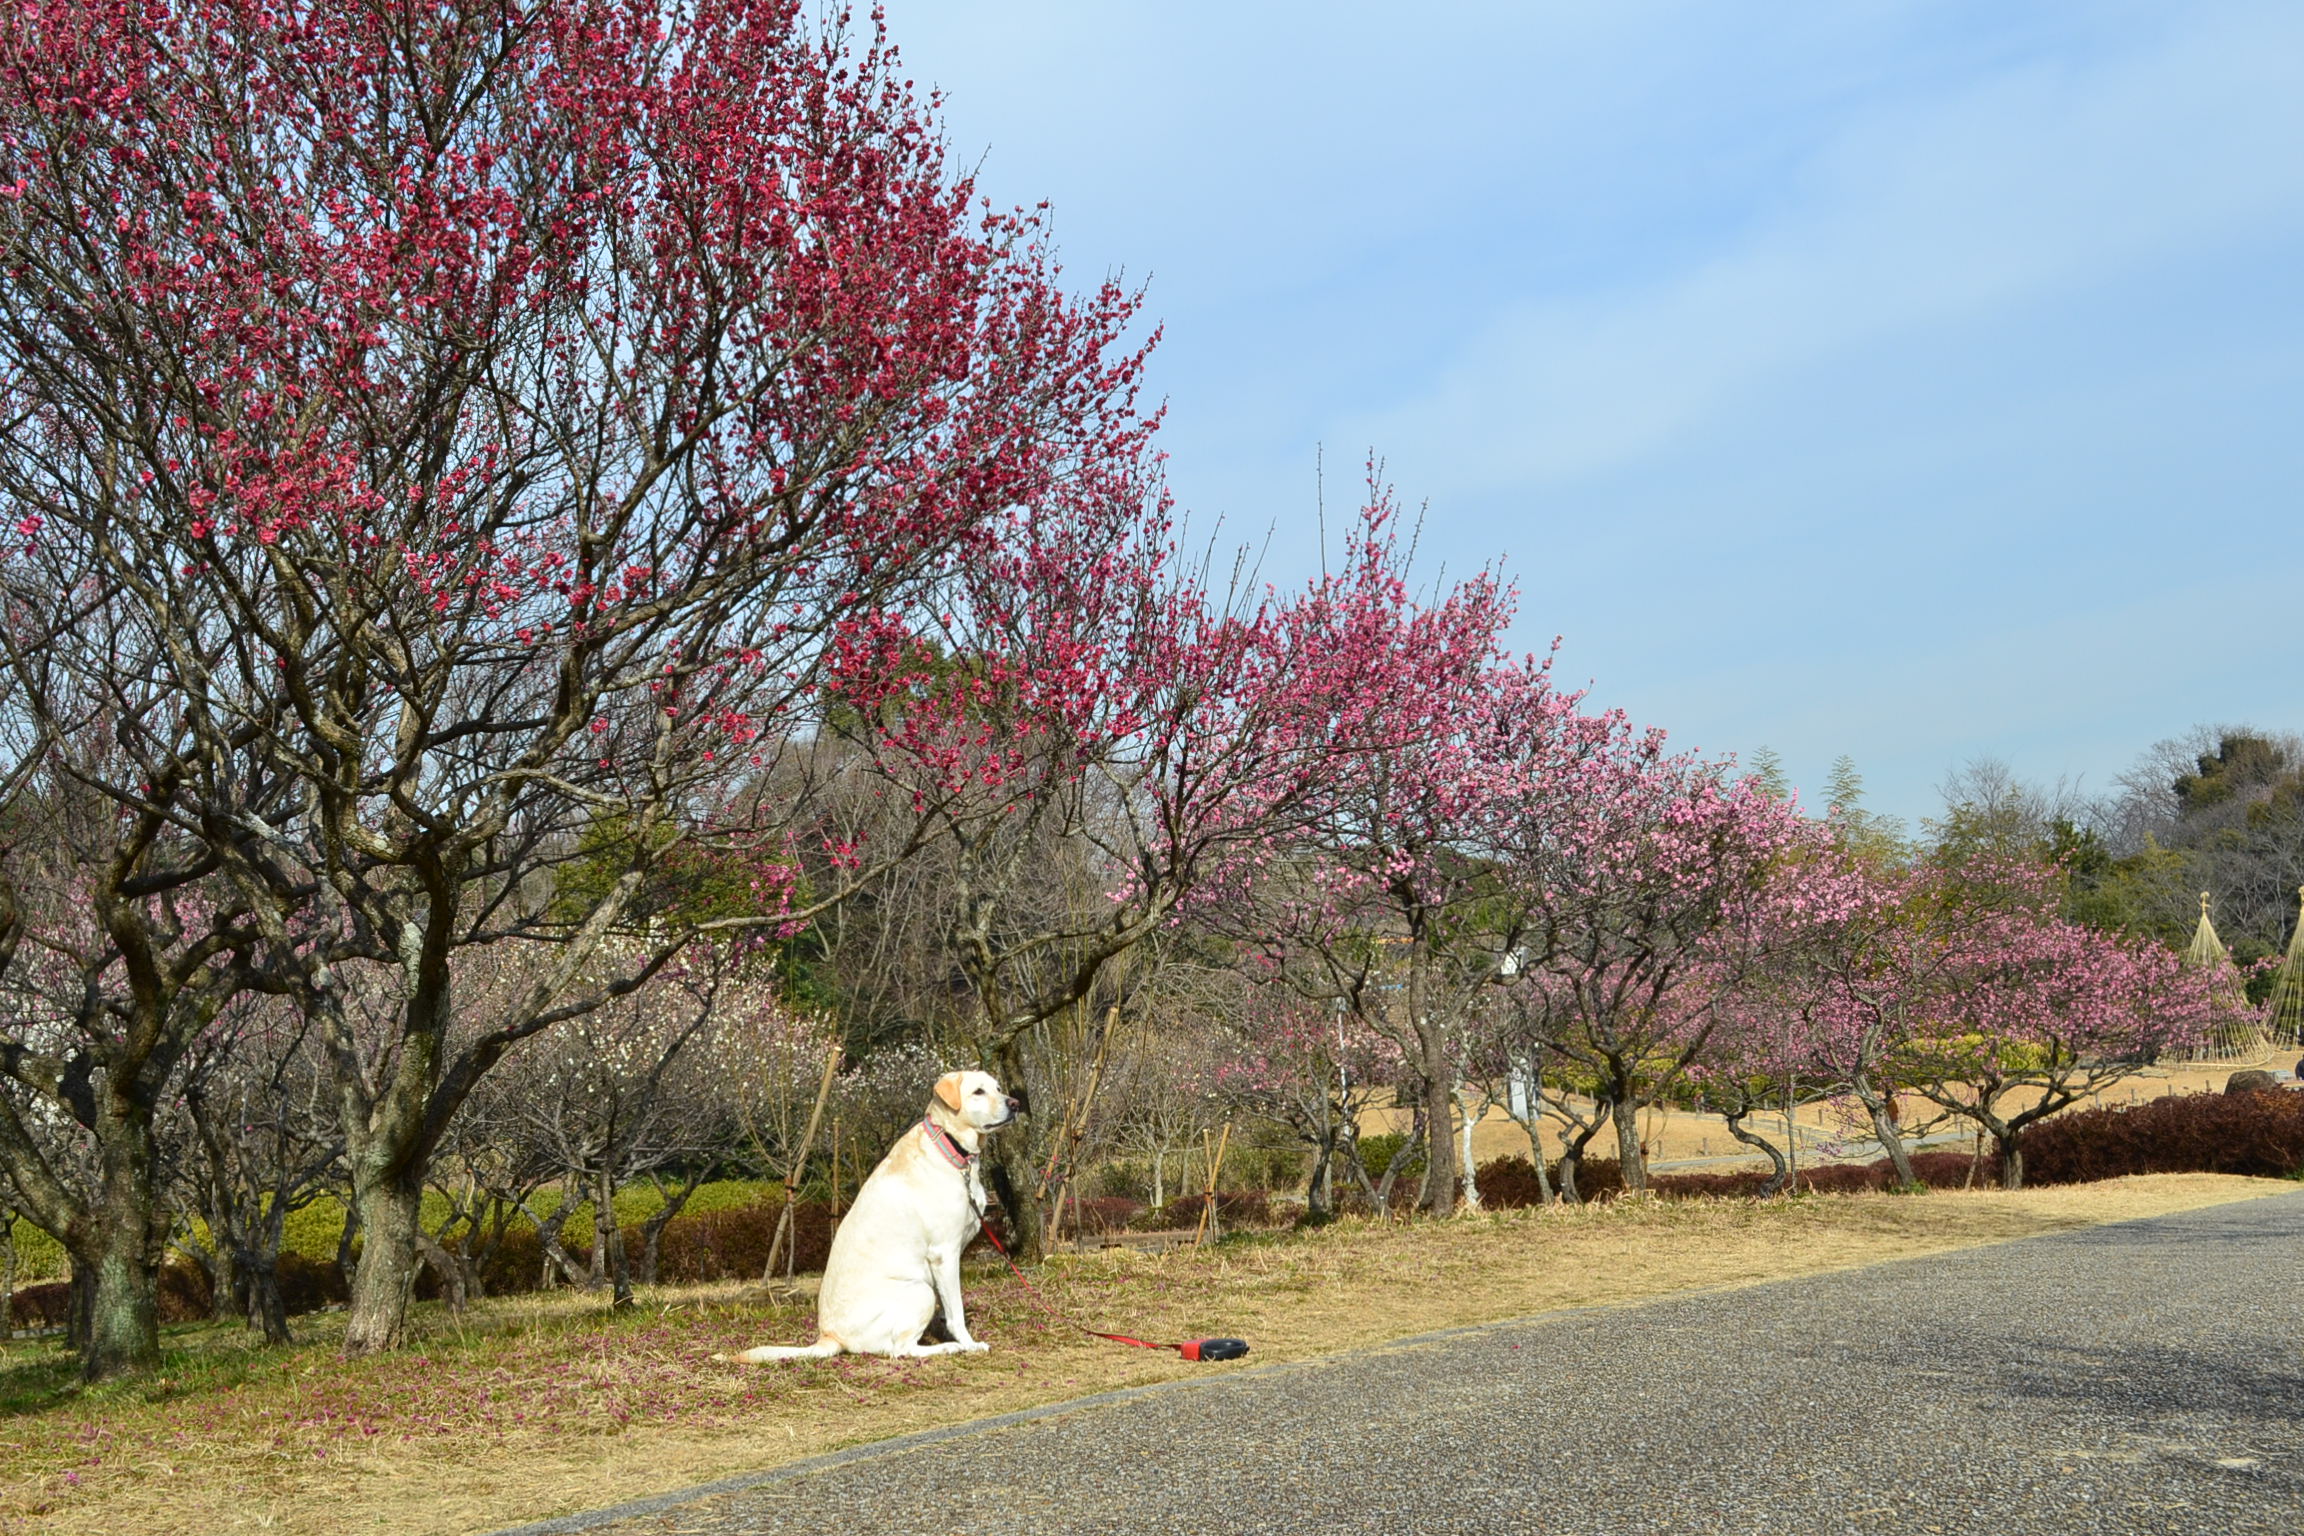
pixel 2048 177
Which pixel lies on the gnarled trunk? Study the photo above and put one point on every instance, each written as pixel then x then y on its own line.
pixel 1781 1173
pixel 1630 1159
pixel 1572 1151
pixel 1009 1166
pixel 608 1255
pixel 114 1252
pixel 267 1308
pixel 2011 1149
pixel 384 1280
pixel 1891 1139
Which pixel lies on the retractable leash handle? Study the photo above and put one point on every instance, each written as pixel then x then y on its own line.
pixel 1212 1349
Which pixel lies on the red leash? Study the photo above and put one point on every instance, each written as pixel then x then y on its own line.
pixel 1190 1349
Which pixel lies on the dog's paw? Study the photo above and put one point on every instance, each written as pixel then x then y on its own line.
pixel 975 1347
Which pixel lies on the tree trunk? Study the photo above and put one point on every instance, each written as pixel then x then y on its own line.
pixel 444 1264
pixel 346 1259
pixel 1782 1174
pixel 1524 1102
pixel 1468 1171
pixel 1572 1151
pixel 1440 1146
pixel 1891 1139
pixel 1630 1160
pixel 652 1230
pixel 1439 1075
pixel 384 1281
pixel 227 1288
pixel 1010 1165
pixel 7 1273
pixel 556 1254
pixel 123 1312
pixel 609 1239
pixel 1381 1195
pixel 267 1310
pixel 79 1303
pixel 115 1246
pixel 2011 1151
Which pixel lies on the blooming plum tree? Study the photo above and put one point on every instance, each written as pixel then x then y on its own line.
pixel 1646 882
pixel 2030 1013
pixel 499 414
pixel 1386 906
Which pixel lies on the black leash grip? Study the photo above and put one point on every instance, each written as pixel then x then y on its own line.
pixel 1212 1349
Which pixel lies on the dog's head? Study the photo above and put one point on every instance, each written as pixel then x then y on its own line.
pixel 973 1100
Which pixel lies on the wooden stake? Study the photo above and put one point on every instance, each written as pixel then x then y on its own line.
pixel 1215 1166
pixel 777 1247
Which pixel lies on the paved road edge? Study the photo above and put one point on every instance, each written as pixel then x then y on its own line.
pixel 587 1520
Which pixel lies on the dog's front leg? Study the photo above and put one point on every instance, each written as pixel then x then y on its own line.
pixel 944 1269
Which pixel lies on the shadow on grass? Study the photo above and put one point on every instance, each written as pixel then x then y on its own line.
pixel 209 1358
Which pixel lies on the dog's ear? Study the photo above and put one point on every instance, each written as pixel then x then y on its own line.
pixel 948 1091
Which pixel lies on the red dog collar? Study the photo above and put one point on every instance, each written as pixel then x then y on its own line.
pixel 941 1139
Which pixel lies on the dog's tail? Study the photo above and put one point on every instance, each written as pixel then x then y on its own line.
pixel 822 1348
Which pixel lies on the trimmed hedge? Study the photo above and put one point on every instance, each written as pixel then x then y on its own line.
pixel 2257 1134
pixel 730 1243
pixel 1106 1213
pixel 1510 1182
pixel 1234 1208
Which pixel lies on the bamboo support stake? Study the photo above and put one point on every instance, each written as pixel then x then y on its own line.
pixel 1215 1167
pixel 777 1246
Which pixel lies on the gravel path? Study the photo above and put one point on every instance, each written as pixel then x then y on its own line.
pixel 2135 1378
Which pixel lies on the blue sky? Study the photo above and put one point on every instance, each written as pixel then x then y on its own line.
pixel 1906 380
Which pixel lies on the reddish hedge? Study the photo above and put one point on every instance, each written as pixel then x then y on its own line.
pixel 1511 1181
pixel 1234 1208
pixel 733 1244
pixel 2257 1134
pixel 2260 1135
pixel 1108 1213
pixel 46 1305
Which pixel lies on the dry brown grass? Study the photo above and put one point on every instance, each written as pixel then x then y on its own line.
pixel 541 1405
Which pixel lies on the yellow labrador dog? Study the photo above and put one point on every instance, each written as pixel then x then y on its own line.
pixel 896 1257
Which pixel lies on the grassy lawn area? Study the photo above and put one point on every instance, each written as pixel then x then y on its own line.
pixel 533 1406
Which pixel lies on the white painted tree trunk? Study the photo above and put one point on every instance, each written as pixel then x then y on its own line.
pixel 1469 1113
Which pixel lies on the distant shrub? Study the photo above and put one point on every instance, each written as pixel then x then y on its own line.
pixel 1106 1213
pixel 733 1244
pixel 1510 1182
pixel 1377 1154
pixel 38 1256
pixel 184 1294
pixel 45 1305
pixel 1123 1181
pixel 307 1285
pixel 1266 1167
pixel 1234 1208
pixel 2258 1134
